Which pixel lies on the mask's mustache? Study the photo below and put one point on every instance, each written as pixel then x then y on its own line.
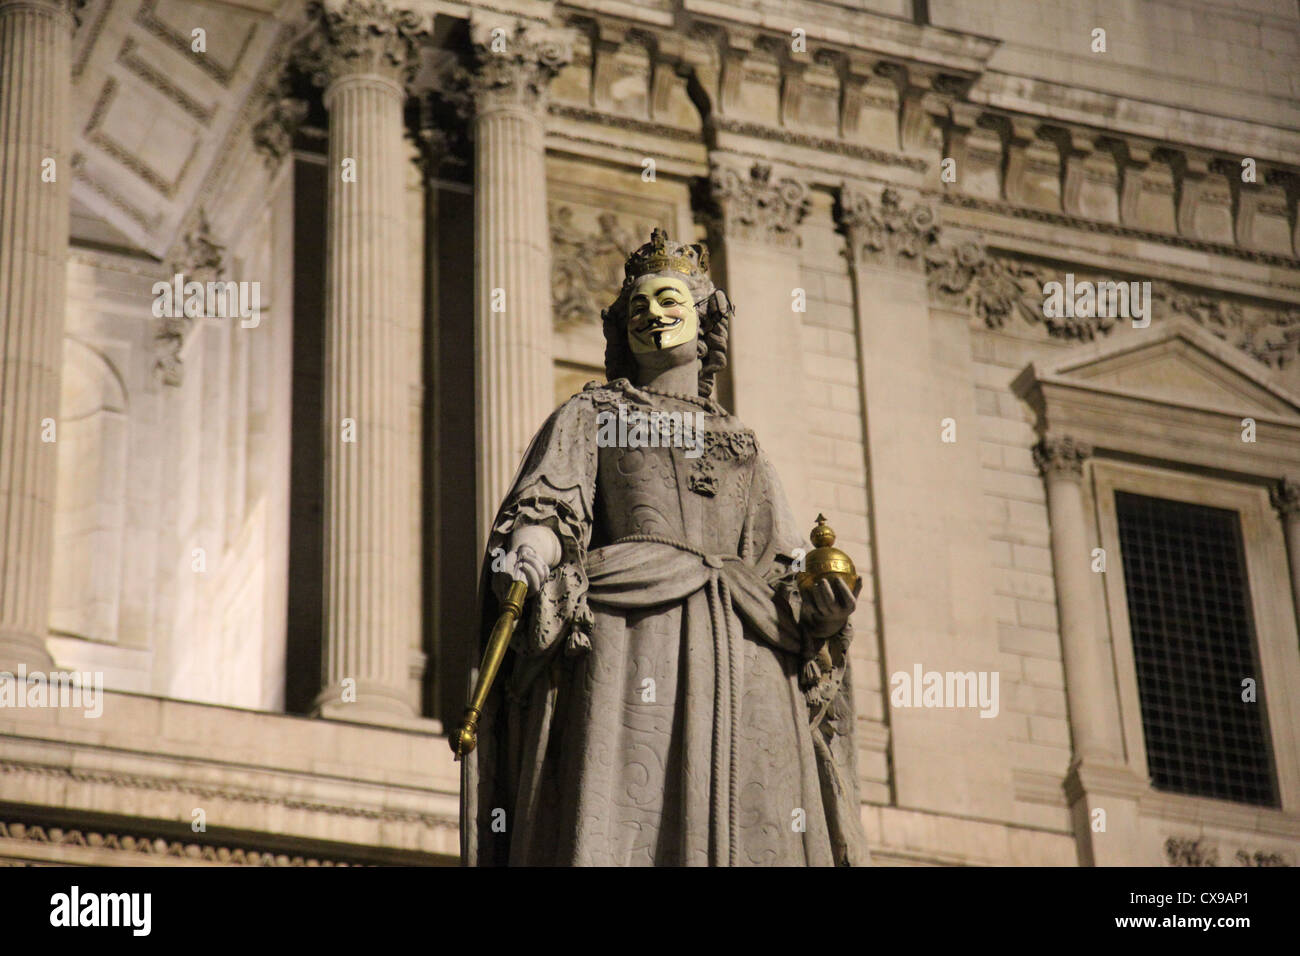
pixel 657 325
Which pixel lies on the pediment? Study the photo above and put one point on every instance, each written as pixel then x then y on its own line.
pixel 1181 364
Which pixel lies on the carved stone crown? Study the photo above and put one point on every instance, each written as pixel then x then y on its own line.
pixel 662 254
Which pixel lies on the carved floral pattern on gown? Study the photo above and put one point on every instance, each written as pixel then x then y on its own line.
pixel 651 711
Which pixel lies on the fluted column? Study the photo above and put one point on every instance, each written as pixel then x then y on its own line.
pixel 35 42
pixel 1286 499
pixel 514 382
pixel 1089 681
pixel 367 52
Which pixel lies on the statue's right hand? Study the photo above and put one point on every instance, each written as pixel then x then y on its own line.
pixel 534 550
pixel 522 562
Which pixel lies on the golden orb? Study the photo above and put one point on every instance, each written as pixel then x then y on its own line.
pixel 826 561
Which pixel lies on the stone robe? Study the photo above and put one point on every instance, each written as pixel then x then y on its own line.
pixel 651 710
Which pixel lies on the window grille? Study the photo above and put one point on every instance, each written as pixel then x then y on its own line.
pixel 1193 644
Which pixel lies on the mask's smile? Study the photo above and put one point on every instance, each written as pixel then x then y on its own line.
pixel 656 327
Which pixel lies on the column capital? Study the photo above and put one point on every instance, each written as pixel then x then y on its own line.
pixel 1285 496
pixel 750 201
pixel 68 8
pixel 513 62
pixel 1061 457
pixel 884 228
pixel 362 37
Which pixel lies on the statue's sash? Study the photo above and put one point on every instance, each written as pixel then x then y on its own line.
pixel 645 570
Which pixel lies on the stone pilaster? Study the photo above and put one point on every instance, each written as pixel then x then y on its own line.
pixel 514 391
pixel 35 60
pixel 1101 790
pixel 1094 716
pixel 929 532
pixel 1286 499
pixel 755 213
pixel 366 53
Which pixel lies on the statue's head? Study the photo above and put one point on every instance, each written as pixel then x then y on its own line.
pixel 668 304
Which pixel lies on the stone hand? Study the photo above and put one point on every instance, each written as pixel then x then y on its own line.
pixel 827 607
pixel 534 550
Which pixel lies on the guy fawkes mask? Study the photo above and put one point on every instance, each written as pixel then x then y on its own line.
pixel 661 314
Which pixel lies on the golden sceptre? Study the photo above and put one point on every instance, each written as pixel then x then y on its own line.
pixel 465 738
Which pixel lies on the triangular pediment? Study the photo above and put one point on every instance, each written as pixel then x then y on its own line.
pixel 1179 364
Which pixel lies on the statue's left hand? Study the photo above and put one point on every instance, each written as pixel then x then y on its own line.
pixel 826 607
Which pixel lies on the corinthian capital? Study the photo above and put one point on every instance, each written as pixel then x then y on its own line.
pixel 750 202
pixel 887 230
pixel 1285 496
pixel 1061 457
pixel 359 37
pixel 513 63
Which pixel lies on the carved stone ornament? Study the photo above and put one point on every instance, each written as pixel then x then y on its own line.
pixel 513 64
pixel 996 289
pixel 887 231
pixel 199 259
pixel 1182 851
pixel 1260 858
pixel 1285 496
pixel 1061 457
pixel 718 446
pixel 586 267
pixel 279 118
pixel 753 205
pixel 361 37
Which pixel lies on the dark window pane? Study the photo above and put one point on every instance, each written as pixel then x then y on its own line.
pixel 1193 643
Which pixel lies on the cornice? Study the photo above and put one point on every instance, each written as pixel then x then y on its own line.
pixel 821 144
pixel 189 852
pixel 137 781
pixel 1003 208
pixel 613 120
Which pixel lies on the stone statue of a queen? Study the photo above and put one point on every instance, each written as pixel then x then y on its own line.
pixel 662 702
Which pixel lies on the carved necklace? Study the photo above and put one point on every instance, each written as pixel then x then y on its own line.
pixel 708 404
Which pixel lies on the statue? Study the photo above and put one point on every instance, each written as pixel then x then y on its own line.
pixel 672 696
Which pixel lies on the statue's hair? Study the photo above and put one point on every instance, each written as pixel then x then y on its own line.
pixel 714 312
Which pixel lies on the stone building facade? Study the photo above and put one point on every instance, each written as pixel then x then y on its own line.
pixel 260 526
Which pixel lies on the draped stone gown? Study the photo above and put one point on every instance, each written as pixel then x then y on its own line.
pixel 651 711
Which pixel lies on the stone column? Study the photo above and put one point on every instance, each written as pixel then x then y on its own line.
pixel 35 44
pixel 1286 499
pixel 1089 678
pixel 366 57
pixel 514 381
